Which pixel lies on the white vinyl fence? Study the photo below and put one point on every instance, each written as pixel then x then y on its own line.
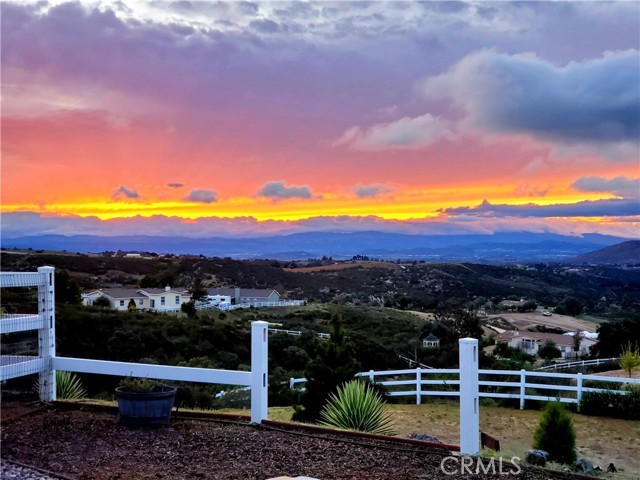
pixel 46 363
pixel 281 303
pixel 500 384
pixel 582 363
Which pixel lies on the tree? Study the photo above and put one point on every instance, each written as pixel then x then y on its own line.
pixel 569 306
pixel 333 365
pixel 197 290
pixel 131 305
pixel 549 350
pixel 466 324
pixel 556 435
pixel 102 301
pixel 630 359
pixel 190 309
pixel 67 288
pixel 612 336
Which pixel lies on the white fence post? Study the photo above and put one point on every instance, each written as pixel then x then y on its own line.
pixel 259 379
pixel 469 397
pixel 418 386
pixel 372 378
pixel 47 334
pixel 579 389
pixel 523 387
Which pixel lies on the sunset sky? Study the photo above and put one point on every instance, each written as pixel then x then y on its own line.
pixel 242 118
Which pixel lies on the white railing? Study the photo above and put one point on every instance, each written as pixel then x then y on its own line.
pixel 281 303
pixel 513 384
pixel 46 363
pixel 297 333
pixel 583 363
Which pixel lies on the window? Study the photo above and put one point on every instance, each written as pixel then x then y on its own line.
pixel 152 303
pixel 177 299
pixel 122 303
pixel 141 302
pixel 162 300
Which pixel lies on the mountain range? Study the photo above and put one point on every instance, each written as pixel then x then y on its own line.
pixel 491 248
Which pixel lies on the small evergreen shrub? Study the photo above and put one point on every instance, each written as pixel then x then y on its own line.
pixel 556 435
pixel 355 406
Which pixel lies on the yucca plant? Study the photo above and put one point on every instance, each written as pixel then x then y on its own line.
pixel 68 386
pixel 355 406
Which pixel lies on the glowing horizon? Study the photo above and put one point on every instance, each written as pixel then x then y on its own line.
pixel 290 114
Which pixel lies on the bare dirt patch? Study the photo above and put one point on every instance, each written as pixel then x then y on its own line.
pixel 522 321
pixel 621 373
pixel 599 439
pixel 90 445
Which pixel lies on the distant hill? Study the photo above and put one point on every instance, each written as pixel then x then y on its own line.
pixel 506 247
pixel 621 254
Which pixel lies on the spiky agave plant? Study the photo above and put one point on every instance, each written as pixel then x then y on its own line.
pixel 355 406
pixel 68 386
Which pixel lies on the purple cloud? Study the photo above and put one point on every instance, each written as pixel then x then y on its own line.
pixel 202 196
pixel 278 190
pixel 367 191
pixel 124 191
pixel 596 208
pixel 620 186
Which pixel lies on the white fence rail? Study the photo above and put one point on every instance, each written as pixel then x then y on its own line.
pixel 46 363
pixel 522 385
pixel 281 303
pixel 297 333
pixel 583 363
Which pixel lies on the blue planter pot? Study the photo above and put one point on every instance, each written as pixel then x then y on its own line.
pixel 145 409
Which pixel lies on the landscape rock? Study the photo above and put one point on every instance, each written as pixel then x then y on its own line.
pixel 583 465
pixel 424 437
pixel 537 457
pixel 612 468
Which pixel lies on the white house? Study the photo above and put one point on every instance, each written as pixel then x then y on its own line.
pixel 531 342
pixel 119 298
pixel 158 299
pixel 165 299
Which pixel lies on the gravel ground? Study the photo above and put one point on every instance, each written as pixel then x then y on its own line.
pixel 89 445
pixel 11 471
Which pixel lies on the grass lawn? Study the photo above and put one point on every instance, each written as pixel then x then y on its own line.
pixel 599 439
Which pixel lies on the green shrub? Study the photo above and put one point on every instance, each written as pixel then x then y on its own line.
pixel 613 404
pixel 555 434
pixel 355 406
pixel 141 385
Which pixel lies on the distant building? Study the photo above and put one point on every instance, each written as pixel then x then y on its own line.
pixel 431 341
pixel 531 342
pixel 238 296
pixel 157 299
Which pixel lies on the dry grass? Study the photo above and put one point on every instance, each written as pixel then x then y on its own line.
pixel 599 439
